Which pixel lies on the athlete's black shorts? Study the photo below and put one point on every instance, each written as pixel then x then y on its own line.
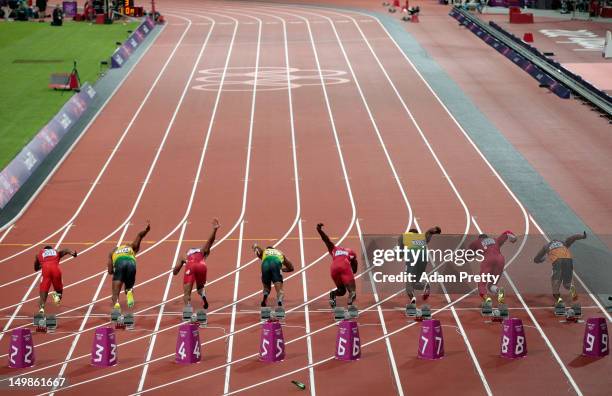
pixel 563 269
pixel 125 271
pixel 417 270
pixel 271 272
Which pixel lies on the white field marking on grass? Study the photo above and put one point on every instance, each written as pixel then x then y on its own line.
pixel 113 152
pixel 35 282
pixel 537 326
pixel 589 292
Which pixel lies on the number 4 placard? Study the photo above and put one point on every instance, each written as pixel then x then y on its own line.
pixel 188 344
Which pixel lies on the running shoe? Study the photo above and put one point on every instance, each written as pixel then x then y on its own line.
pixel 130 298
pixel 573 293
pixel 117 307
pixel 332 299
pixel 501 295
pixel 57 298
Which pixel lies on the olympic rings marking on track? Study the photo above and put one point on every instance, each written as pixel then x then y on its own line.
pixel 269 78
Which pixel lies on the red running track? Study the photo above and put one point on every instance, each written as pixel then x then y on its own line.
pixel 358 141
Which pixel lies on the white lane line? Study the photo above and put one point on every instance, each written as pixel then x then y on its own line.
pixel 230 348
pixel 8 229
pixel 84 321
pixel 589 292
pixel 149 174
pixel 381 317
pixel 160 315
pixel 244 201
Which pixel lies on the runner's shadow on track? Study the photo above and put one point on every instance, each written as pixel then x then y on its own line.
pixel 583 361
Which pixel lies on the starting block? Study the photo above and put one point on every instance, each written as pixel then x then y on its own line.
pixel 120 322
pixel 279 313
pixel 513 341
pixel 431 340
pixel 411 310
pixel 577 309
pixel 353 312
pixel 45 324
pixel 115 314
pixel 348 345
pixel 40 322
pixel 21 350
pixel 426 312
pixel 128 320
pixel 104 348
pixel 595 342
pixel 265 313
pixel 202 318
pixel 487 308
pixel 339 314
pixel 272 342
pixel 560 309
pixel 500 313
pixel 51 323
pixel 187 313
pixel 188 344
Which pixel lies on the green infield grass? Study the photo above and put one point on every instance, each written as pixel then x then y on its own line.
pixel 29 53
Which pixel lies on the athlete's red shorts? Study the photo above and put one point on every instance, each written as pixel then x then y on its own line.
pixel 51 274
pixel 195 273
pixel 342 275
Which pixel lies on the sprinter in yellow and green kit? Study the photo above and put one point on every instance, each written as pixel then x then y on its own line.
pixel 273 261
pixel 122 266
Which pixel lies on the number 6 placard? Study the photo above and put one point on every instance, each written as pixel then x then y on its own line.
pixel 348 345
